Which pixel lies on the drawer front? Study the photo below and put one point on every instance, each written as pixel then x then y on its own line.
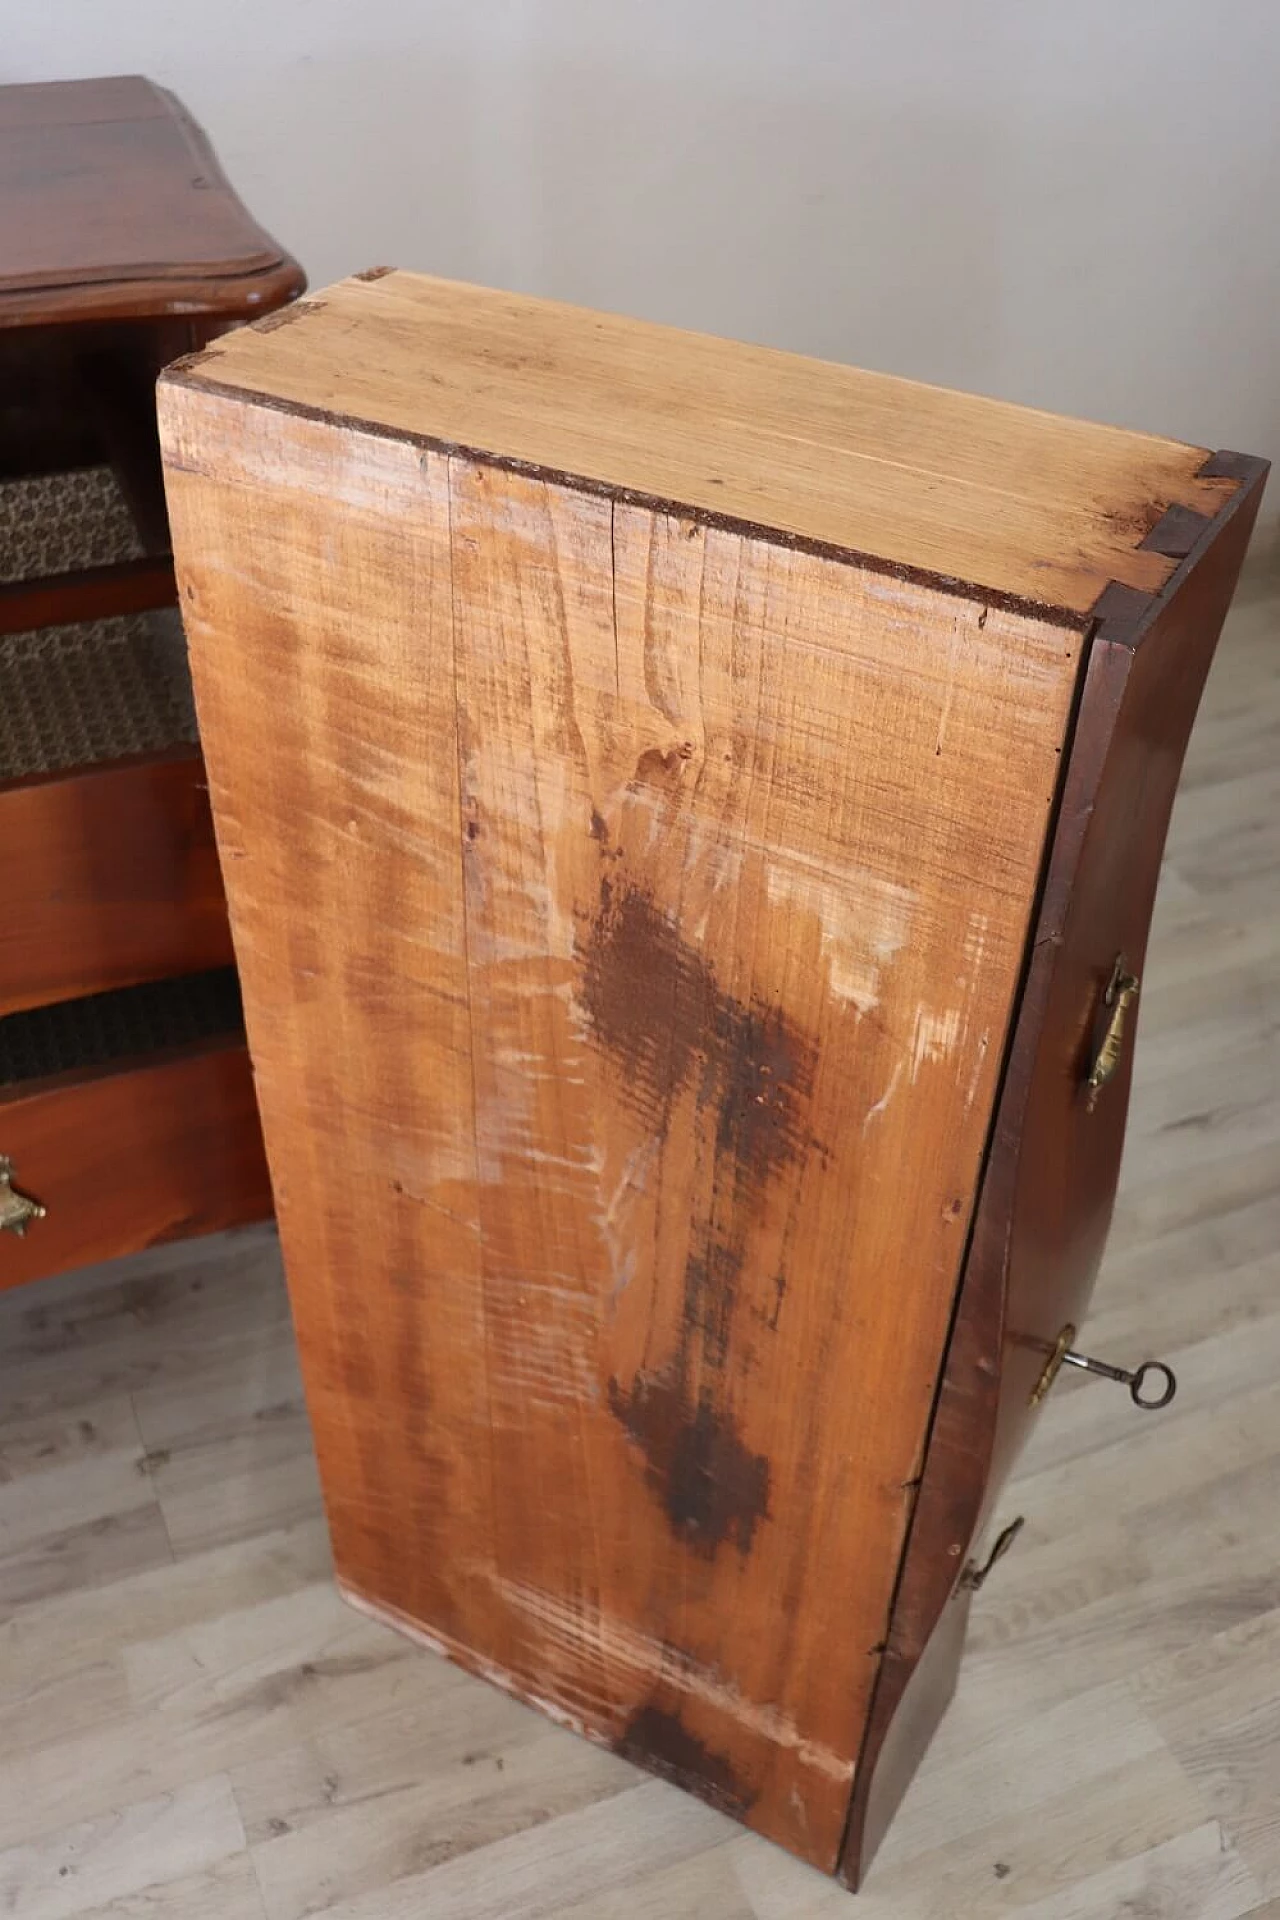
pixel 1071 1137
pixel 107 876
pixel 124 1158
pixel 89 593
pixel 1054 1159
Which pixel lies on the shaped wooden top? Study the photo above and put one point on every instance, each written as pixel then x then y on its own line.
pixel 113 206
pixel 1013 504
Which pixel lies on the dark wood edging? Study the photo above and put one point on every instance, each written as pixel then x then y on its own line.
pixel 1049 1180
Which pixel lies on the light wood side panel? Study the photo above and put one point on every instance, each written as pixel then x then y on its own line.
pixel 629 913
pixel 324 668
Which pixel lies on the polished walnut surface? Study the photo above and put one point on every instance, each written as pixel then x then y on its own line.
pixel 113 206
pixel 121 246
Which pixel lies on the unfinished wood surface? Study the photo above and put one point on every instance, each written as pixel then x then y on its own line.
pixel 629 914
pixel 1114 1746
pixel 1014 502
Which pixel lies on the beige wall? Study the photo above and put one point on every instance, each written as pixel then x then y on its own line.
pixel 1072 205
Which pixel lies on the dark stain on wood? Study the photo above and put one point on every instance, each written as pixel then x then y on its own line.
pixel 711 1485
pixel 657 1739
pixel 762 1074
pixel 656 1008
pixel 650 999
pixel 710 1296
pixel 654 1005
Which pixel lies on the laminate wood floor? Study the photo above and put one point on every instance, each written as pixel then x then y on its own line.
pixel 193 1725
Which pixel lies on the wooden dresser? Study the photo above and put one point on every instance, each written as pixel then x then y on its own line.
pixel 126 1099
pixel 690 818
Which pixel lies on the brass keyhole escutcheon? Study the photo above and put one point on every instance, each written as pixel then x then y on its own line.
pixel 1053 1365
pixel 17 1210
pixel 1122 991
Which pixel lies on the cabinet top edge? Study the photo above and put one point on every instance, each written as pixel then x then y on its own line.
pixel 1029 509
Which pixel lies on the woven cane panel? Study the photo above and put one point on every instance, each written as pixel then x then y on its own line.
pixel 109 1027
pixel 56 522
pixel 103 689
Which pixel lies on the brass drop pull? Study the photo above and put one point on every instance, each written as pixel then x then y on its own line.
pixel 1151 1386
pixel 17 1210
pixel 1122 991
pixel 974 1577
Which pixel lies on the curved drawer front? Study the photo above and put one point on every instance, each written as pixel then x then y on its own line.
pixel 1054 1159
pixel 126 1119
pixel 1139 703
pixel 108 876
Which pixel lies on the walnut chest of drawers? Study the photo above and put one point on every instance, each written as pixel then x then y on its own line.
pixel 690 818
pixel 126 1098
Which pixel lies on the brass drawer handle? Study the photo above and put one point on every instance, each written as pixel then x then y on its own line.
pixel 973 1576
pixel 1151 1386
pixel 1122 991
pixel 17 1210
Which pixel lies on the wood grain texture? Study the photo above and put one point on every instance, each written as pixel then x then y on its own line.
pixel 109 876
pixel 1008 501
pixel 1113 1747
pixel 113 207
pixel 631 911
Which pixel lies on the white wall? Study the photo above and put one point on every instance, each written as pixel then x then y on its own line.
pixel 1074 203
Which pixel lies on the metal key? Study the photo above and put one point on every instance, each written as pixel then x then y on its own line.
pixel 1149 1370
pixel 1065 1355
